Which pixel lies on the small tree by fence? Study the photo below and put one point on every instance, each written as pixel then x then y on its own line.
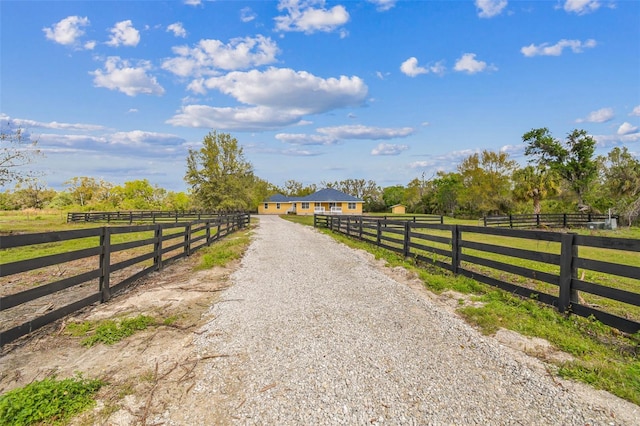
pixel 480 253
pixel 125 252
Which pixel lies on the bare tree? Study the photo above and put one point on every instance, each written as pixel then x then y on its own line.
pixel 16 151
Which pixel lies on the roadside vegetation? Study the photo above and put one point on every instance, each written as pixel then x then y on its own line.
pixel 602 356
pixel 48 401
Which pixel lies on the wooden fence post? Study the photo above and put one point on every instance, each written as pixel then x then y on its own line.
pixel 406 250
pixel 568 251
pixel 157 260
pixel 378 232
pixel 187 239
pixel 455 249
pixel 105 263
pixel 208 232
pixel 360 233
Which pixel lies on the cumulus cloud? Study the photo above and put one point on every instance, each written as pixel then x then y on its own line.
pixel 177 29
pixel 227 118
pixel 305 139
pixel 140 138
pixel 410 67
pixel 581 7
pixel 208 56
pixel 247 14
pixel 469 64
pixel 383 5
pixel 446 161
pixel 277 97
pixel 627 129
pixel 67 31
pixel 123 33
pixel 600 116
pixel 131 80
pixel 192 2
pixel 490 8
pixel 389 149
pixel 310 16
pixel 545 49
pixel 636 111
pixel 285 88
pixel 358 131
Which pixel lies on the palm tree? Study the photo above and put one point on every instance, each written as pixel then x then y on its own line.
pixel 534 183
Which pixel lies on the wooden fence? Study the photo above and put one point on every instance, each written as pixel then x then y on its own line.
pixel 152 216
pixel 125 253
pixel 606 271
pixel 552 220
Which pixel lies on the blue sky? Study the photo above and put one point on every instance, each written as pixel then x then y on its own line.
pixel 313 90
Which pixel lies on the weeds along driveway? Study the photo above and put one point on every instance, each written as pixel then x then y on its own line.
pixel 312 332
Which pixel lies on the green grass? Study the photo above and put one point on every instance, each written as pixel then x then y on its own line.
pixel 49 401
pixel 227 250
pixel 604 357
pixel 109 331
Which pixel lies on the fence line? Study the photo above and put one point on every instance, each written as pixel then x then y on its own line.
pixel 551 220
pixel 175 240
pixel 470 251
pixel 152 216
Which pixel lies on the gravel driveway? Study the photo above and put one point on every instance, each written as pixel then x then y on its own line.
pixel 311 332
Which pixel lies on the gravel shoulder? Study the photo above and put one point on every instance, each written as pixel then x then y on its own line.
pixel 312 332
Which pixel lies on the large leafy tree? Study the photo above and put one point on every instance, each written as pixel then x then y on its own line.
pixel 486 180
pixel 534 184
pixel 82 189
pixel 219 176
pixel 572 159
pixel 622 182
pixel 445 189
pixel 16 151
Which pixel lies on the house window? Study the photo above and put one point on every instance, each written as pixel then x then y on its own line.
pixel 352 206
pixel 266 206
pixel 305 206
pixel 277 206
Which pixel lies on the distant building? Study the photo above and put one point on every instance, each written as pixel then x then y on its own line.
pixel 398 209
pixel 325 201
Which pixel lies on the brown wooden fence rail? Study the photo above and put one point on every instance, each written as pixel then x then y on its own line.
pixel 551 220
pixel 125 253
pixel 152 216
pixel 559 273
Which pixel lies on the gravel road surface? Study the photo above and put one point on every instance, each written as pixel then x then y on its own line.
pixel 311 333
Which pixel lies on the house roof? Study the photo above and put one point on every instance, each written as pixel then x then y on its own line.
pixel 324 195
pixel 330 194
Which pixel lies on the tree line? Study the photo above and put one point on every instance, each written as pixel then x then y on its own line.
pixel 560 176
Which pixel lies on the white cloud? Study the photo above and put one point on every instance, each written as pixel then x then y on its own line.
pixel 469 64
pixel 309 16
pixel 21 122
pixel 140 138
pixel 358 131
pixel 226 118
pixel 545 49
pixel 636 111
pixel 446 161
pixel 581 7
pixel 130 80
pixel 124 33
pixel 68 30
pixel 305 139
pixel 192 2
pixel 490 8
pixel 388 149
pixel 211 55
pixel 177 29
pixel 297 91
pixel 247 14
pixel 383 5
pixel 410 67
pixel 600 116
pixel 627 129
pixel 90 45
